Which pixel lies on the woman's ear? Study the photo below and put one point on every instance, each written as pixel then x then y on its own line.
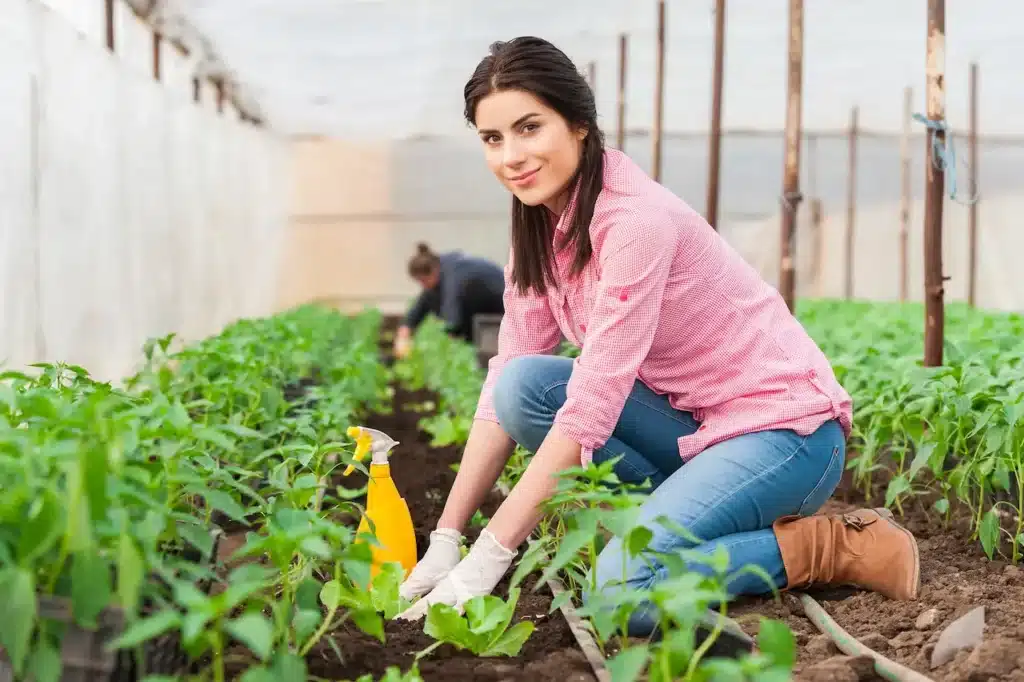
pixel 582 132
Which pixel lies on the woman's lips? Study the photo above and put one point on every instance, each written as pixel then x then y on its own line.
pixel 524 179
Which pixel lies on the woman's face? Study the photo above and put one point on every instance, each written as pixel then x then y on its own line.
pixel 531 149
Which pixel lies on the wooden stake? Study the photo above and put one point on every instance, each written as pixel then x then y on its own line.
pixel 659 94
pixel 851 201
pixel 791 170
pixel 972 209
pixel 157 52
pixel 620 137
pixel 908 103
pixel 715 151
pixel 108 11
pixel 934 186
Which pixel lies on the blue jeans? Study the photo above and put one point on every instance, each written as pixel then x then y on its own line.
pixel 729 495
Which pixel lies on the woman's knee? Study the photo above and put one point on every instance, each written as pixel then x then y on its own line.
pixel 522 396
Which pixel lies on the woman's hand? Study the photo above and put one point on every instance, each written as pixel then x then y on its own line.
pixel 482 569
pixel 442 556
pixel 487 451
pixel 475 576
pixel 403 342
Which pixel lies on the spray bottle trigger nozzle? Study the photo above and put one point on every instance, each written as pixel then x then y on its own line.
pixel 379 447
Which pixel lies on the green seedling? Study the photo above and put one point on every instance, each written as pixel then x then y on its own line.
pixel 483 629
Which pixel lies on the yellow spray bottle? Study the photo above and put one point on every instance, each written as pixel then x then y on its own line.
pixel 385 506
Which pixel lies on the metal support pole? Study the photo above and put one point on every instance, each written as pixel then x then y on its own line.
pixel 715 151
pixel 934 186
pixel 972 209
pixel 908 103
pixel 791 170
pixel 620 140
pixel 851 201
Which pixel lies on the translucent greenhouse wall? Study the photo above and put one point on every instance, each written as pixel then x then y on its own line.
pixel 127 210
pixel 361 208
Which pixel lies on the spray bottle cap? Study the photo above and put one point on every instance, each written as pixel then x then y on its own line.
pixel 373 441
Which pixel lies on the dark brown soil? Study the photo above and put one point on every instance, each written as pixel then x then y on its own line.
pixel 424 477
pixel 956 577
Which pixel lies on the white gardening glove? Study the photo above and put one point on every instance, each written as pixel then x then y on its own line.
pixel 441 556
pixel 475 576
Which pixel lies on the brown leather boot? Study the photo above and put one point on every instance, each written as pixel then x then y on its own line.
pixel 864 548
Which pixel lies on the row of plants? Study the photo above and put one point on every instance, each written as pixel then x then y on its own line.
pixel 116 499
pixel 589 506
pixel 949 437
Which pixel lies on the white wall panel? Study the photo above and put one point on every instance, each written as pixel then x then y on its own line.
pixel 18 229
pixel 87 17
pixel 126 210
pixel 134 40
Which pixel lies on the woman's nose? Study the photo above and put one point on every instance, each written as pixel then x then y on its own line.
pixel 513 154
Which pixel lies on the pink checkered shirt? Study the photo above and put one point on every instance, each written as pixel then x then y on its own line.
pixel 667 301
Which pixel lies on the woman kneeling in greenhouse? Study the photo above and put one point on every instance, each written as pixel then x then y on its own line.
pixel 691 368
pixel 456 288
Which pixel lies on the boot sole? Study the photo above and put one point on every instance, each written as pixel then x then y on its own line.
pixel 916 579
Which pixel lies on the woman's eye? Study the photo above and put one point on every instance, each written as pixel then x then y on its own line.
pixel 529 127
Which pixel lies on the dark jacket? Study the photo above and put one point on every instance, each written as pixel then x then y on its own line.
pixel 466 285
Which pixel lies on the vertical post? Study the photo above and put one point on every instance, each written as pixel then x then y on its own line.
pixel 620 137
pixel 157 49
pixel 197 90
pixel 659 94
pixel 592 75
pixel 908 103
pixel 934 186
pixel 972 209
pixel 851 201
pixel 818 242
pixel 791 170
pixel 108 8
pixel 35 146
pixel 715 151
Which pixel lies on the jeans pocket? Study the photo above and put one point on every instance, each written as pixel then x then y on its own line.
pixel 826 484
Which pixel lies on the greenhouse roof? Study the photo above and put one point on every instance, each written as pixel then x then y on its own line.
pixel 396 68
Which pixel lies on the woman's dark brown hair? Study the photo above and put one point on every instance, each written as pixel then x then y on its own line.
pixel 424 263
pixel 536 66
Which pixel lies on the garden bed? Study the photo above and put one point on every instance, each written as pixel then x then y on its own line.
pixel 956 577
pixel 424 476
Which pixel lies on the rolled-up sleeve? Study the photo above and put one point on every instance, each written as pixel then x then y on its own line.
pixel 527 328
pixel 635 262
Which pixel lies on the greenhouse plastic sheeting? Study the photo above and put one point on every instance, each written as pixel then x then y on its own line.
pixel 458 204
pixel 128 211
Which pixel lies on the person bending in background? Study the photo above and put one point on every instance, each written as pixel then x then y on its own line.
pixel 692 368
pixel 456 288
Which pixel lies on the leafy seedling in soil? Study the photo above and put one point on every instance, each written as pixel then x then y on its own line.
pixel 483 629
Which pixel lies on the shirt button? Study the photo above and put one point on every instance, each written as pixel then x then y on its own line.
pixel 583 327
pixel 813 374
